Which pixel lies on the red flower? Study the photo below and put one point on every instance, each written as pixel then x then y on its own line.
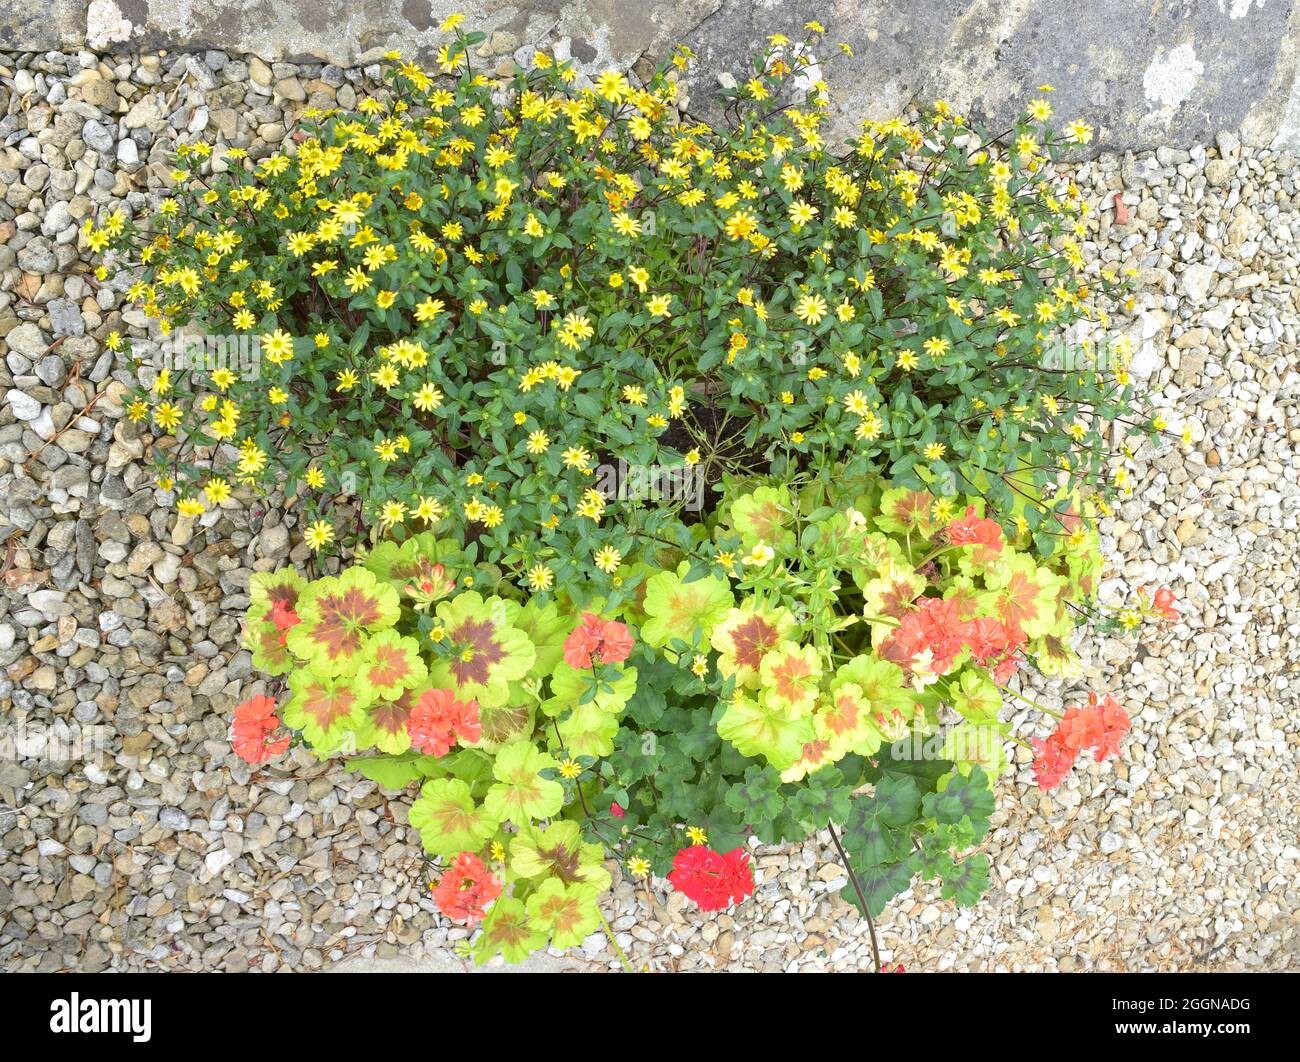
pixel 1096 728
pixel 284 617
pixel 1080 729
pixel 713 881
pixel 1006 667
pixel 616 809
pixel 936 625
pixel 616 642
pixel 1053 759
pixel 438 719
pixel 1115 724
pixel 593 639
pixel 465 890
pixel 254 721
pixel 1164 604
pixel 972 530
pixel 583 641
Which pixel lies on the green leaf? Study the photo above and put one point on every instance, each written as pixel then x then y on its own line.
pixel 823 798
pixel 965 797
pixel 448 819
pixel 880 884
pixel 520 793
pixel 967 881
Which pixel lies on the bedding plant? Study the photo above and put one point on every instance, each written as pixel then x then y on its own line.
pixel 482 305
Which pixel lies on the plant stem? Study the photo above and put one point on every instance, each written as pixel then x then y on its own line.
pixel 862 896
pixel 1029 700
pixel 609 933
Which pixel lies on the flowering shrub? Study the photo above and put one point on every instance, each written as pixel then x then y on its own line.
pixel 474 297
pixel 849 677
pixel 472 293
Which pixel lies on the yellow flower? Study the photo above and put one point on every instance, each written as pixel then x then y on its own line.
pixel 167 416
pixel 319 534
pixel 658 305
pixel 277 346
pixel 811 309
pixel 638 866
pixel 696 835
pixel 427 398
pixel 1040 110
pixel 217 491
pixel 540 578
pixel 608 559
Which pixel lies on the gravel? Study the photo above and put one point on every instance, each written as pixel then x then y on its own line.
pixel 131 838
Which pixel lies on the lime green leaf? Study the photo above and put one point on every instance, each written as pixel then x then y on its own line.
pixel 337 615
pixel 448 819
pixel 744 636
pixel 678 609
pixel 558 851
pixel 324 708
pixel 508 932
pixel 790 675
pixel 569 913
pixel 520 793
pixel 758 728
pixel 763 517
pixel 390 662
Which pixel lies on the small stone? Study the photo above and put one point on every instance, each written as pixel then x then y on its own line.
pixel 24 406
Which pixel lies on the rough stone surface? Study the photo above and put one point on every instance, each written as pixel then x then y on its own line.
pixel 1168 72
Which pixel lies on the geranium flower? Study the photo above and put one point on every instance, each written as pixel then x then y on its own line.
pixel 936 625
pixel 465 890
pixel 972 530
pixel 254 721
pixel 1097 728
pixel 1052 761
pixel 713 881
pixel 283 616
pixel 595 639
pixel 438 719
pixel 1115 723
pixel 1164 604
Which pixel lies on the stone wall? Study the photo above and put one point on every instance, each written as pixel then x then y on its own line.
pixel 1170 72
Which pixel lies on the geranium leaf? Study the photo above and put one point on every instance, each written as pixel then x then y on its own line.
pixel 508 932
pixel 744 636
pixel 484 652
pixel 448 819
pixel 763 517
pixel 389 663
pixel 337 615
pixel 520 794
pixel 686 610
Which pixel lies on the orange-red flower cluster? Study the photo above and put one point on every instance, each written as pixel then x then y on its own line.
pixel 465 890
pixel 438 719
pixel 250 734
pixel 1097 728
pixel 595 639
pixel 936 625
